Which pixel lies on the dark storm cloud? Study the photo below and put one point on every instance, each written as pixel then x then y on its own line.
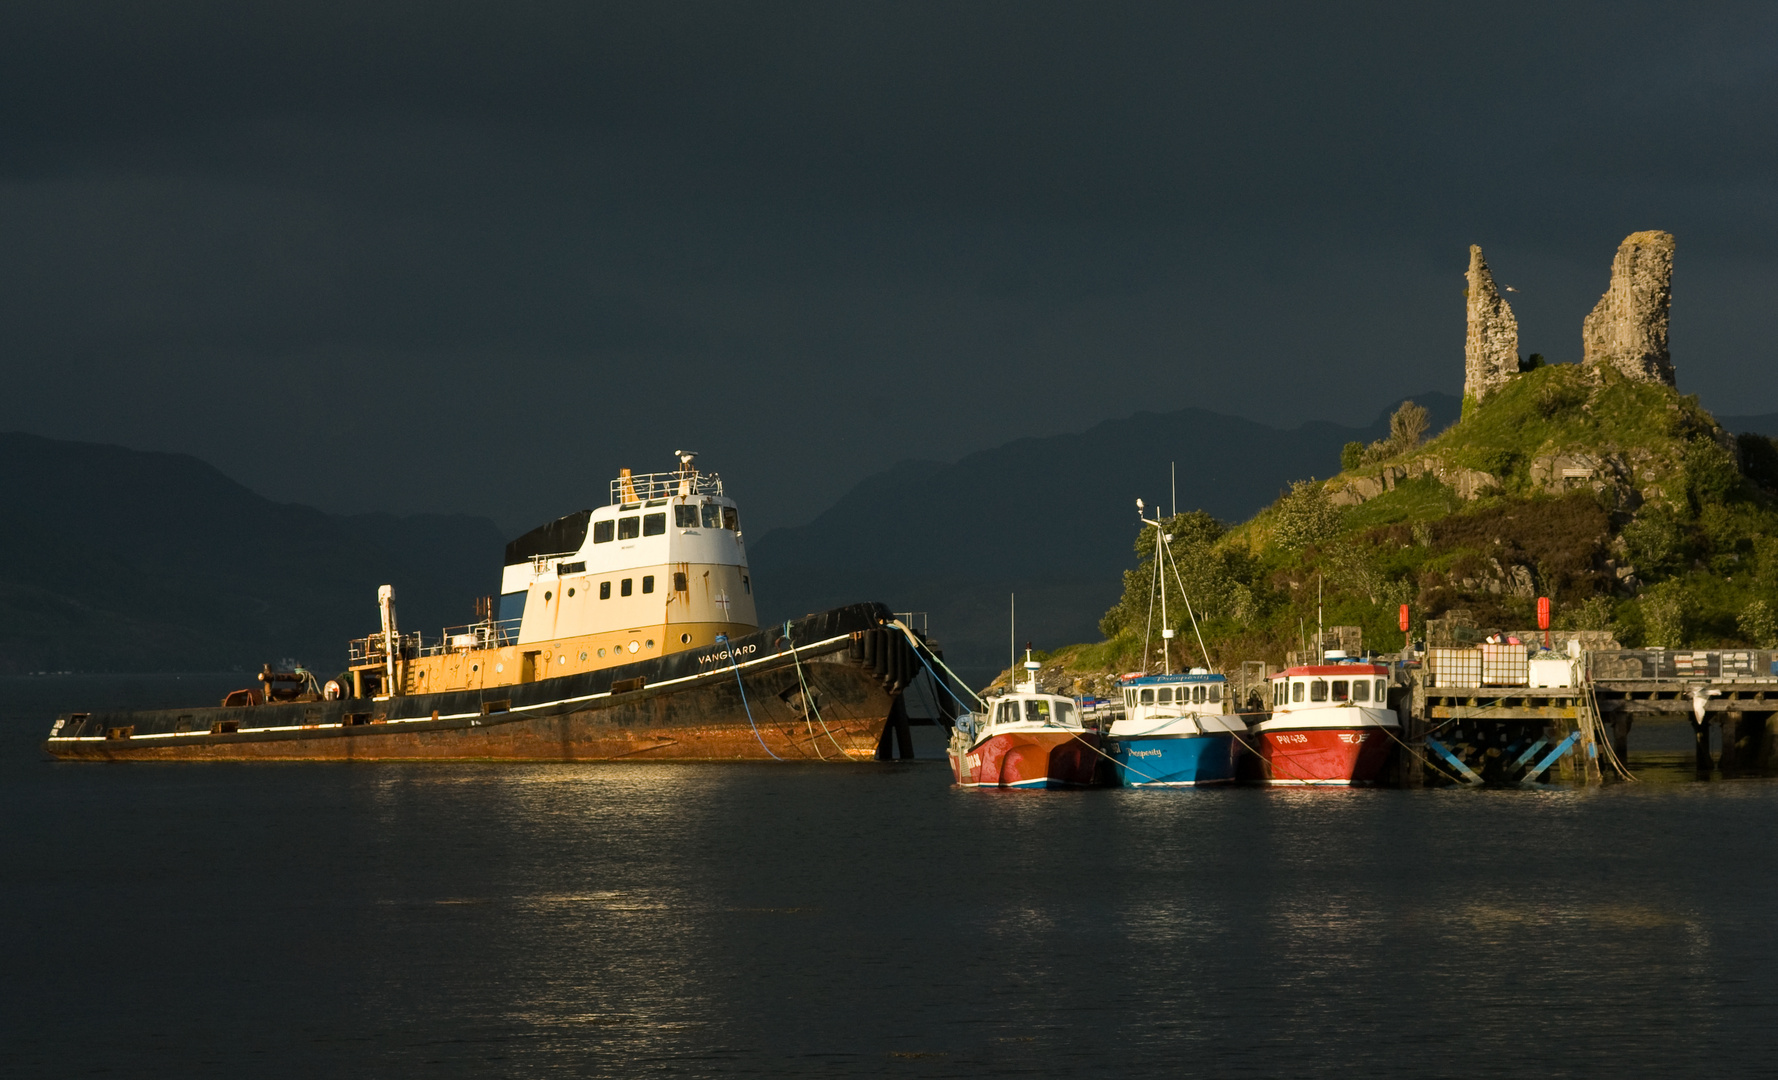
pixel 525 244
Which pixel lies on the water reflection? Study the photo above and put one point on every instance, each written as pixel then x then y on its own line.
pixel 498 920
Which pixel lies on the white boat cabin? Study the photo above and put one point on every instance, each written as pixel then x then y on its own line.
pixel 1160 696
pixel 1332 685
pixel 1023 710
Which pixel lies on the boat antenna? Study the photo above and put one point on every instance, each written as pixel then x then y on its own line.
pixel 1012 642
pixel 1173 470
pixel 1189 613
pixel 1154 583
pixel 1320 625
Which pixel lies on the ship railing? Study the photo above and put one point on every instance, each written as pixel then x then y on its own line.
pixel 481 635
pixel 651 487
pixel 914 620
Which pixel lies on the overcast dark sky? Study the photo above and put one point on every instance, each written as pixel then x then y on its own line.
pixel 476 257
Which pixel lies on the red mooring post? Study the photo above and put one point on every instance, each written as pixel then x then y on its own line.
pixel 1543 618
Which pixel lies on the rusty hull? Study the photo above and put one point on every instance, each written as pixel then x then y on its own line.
pixel 688 708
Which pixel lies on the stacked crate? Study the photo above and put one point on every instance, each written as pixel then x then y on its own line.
pixel 1454 667
pixel 1504 665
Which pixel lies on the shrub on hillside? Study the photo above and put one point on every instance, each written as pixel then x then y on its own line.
pixel 1758 623
pixel 1667 610
pixel 1711 473
pixel 1304 516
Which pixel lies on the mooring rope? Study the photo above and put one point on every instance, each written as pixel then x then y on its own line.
pixel 723 638
pixel 809 699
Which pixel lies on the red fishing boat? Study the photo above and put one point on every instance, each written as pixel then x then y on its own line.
pixel 1329 725
pixel 1025 739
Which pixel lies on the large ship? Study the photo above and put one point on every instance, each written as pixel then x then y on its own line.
pixel 627 632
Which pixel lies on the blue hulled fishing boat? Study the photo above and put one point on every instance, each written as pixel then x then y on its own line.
pixel 1177 731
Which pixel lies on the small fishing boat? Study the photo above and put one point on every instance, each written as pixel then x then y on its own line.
pixel 1025 738
pixel 1329 725
pixel 1176 731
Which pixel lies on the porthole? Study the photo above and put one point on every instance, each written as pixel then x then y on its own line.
pixel 583 654
pixel 635 646
pixel 570 592
pixel 685 639
pixel 546 597
pixel 562 659
pixel 475 667
pixel 649 644
pixel 601 652
pixel 499 668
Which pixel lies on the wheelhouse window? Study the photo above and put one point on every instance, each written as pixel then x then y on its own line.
pixel 730 519
pixel 1164 695
pixel 654 524
pixel 1342 690
pixel 1318 690
pixel 1198 694
pixel 678 581
pixel 746 586
pixel 604 590
pixel 648 583
pixel 1037 711
pixel 1382 690
pixel 1361 690
pixel 1009 713
pixel 1065 713
pixel 1148 695
pixel 628 528
pixel 685 517
pixel 604 531
pixel 1215 693
pixel 1296 690
pixel 624 586
pixel 712 516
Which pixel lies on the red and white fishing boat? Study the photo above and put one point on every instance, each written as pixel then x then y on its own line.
pixel 1329 725
pixel 1025 739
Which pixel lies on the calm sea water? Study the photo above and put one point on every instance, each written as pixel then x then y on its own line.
pixel 495 921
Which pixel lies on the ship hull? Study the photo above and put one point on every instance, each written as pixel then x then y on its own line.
pixel 1175 760
pixel 1029 761
pixel 1323 756
pixel 748 700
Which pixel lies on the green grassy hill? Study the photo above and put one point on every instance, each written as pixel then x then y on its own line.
pixel 1624 502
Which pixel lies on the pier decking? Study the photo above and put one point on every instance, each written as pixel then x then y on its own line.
pixel 1477 734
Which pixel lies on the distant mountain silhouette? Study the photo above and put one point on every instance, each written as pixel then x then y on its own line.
pixel 1051 518
pixel 119 560
pixel 1762 424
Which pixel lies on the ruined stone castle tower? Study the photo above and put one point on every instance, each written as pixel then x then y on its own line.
pixel 1628 329
pixel 1491 352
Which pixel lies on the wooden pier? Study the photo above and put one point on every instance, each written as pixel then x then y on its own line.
pixel 1507 734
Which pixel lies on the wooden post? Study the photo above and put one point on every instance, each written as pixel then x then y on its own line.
pixel 1735 745
pixel 1411 708
pixel 1588 746
pixel 1620 737
pixel 1767 754
pixel 1701 742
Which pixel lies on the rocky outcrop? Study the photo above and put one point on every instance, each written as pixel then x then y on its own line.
pixel 1467 483
pixel 1491 351
pixel 1628 328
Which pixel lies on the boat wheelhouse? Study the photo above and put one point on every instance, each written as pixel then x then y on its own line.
pixel 1178 730
pixel 659 570
pixel 1330 724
